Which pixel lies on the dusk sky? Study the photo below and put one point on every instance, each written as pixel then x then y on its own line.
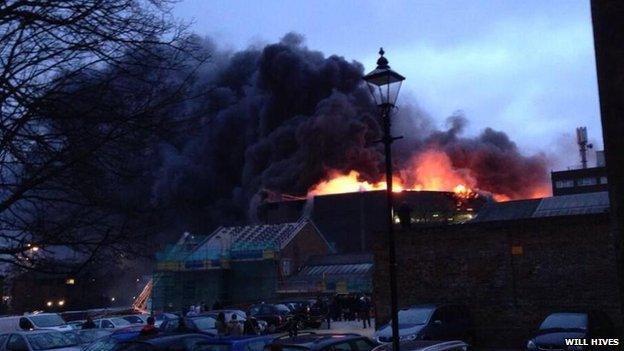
pixel 524 67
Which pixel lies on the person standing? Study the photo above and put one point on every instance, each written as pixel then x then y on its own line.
pixel 221 325
pixel 89 323
pixel 365 307
pixel 235 328
pixel 149 328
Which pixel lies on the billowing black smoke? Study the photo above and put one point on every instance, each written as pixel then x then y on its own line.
pixel 282 116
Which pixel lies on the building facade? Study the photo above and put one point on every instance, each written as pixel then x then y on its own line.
pixel 234 265
pixel 514 264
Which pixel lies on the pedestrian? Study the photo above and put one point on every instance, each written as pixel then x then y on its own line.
pixel 365 308
pixel 323 308
pixel 251 327
pixel 235 328
pixel 191 311
pixel 88 324
pixel 221 325
pixel 217 305
pixel 205 307
pixel 149 328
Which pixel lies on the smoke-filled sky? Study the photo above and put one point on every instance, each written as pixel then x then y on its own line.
pixel 523 67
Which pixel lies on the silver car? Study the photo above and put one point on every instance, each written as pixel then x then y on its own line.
pixel 37 340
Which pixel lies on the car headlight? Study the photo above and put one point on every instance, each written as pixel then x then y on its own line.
pixel 531 345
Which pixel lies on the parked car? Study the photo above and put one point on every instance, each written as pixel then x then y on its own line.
pixel 318 342
pixel 86 336
pixel 127 333
pixel 179 342
pixel 239 343
pixel 277 316
pixel 204 323
pixel 37 340
pixel 557 327
pixel 431 322
pixel 427 345
pixel 46 321
pixel 161 317
pixel 111 323
pixel 76 324
pixel 136 318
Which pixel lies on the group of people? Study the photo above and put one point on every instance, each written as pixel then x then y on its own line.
pixel 236 327
pixel 199 308
pixel 352 307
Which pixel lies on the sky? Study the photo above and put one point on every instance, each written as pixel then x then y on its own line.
pixel 524 67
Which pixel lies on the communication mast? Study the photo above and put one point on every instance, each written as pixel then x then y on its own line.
pixel 581 139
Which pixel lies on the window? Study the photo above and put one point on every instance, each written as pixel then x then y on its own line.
pixel 586 181
pixel 362 345
pixel 3 339
pixel 16 343
pixel 255 346
pixel 287 266
pixel 107 324
pixel 603 180
pixel 25 324
pixel 566 183
pixel 341 346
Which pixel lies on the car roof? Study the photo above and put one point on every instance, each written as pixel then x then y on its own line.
pixel 313 339
pixel 31 332
pixel 422 345
pixel 169 338
pixel 237 339
pixel 432 305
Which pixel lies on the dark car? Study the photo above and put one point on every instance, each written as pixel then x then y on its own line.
pixel 235 343
pixel 203 323
pixel 431 322
pixel 312 314
pixel 324 342
pixel 178 342
pixel 277 316
pixel 558 327
pixel 427 345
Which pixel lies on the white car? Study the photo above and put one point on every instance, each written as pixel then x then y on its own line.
pixel 136 318
pixel 38 340
pixel 38 321
pixel 111 323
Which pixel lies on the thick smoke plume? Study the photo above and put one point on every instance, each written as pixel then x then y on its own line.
pixel 284 116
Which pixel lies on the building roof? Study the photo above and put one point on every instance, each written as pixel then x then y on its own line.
pixel 506 211
pixel 563 205
pixel 574 204
pixel 225 240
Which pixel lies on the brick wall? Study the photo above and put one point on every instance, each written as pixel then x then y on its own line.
pixel 510 274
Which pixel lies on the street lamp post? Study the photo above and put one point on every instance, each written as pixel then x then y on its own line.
pixel 384 85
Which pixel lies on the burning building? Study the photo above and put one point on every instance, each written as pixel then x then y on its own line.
pixel 349 221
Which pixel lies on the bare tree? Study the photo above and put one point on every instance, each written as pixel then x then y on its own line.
pixel 68 114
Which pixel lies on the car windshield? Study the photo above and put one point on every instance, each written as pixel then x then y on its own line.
pixel 565 321
pixel 90 335
pixel 212 347
pixel 134 319
pixel 204 323
pixel 106 344
pixel 47 320
pixel 415 315
pixel 282 308
pixel 120 322
pixel 47 341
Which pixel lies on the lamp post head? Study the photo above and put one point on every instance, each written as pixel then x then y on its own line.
pixel 384 83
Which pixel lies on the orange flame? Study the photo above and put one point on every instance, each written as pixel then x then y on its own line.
pixel 429 170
